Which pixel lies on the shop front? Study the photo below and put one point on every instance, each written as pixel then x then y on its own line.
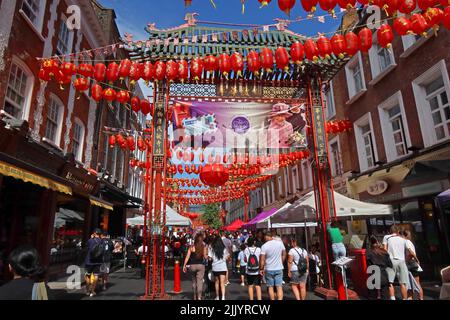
pixel 411 188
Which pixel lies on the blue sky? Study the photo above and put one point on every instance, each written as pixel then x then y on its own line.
pixel 134 15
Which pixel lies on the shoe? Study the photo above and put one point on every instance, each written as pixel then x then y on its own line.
pixel 228 282
pixel 104 288
pixel 217 298
pixel 242 284
pixel 91 295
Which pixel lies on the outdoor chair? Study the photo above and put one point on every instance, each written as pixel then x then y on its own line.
pixel 445 289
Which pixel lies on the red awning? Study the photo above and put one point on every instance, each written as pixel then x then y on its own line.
pixel 236 225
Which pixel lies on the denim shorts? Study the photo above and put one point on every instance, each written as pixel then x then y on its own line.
pixel 274 278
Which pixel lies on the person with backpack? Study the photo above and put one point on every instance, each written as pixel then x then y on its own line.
pixel 298 266
pixel 251 258
pixel 94 259
pixel 242 264
pixel 108 247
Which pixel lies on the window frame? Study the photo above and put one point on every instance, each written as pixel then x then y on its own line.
pixel 334 171
pixel 386 129
pixel 375 64
pixel 70 39
pixel 425 120
pixel 349 74
pixel 29 87
pixel 58 132
pixel 80 151
pixel 39 24
pixel 360 144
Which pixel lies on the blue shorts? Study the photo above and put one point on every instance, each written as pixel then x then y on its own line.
pixel 274 278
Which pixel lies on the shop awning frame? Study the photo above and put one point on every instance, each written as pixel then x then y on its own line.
pixel 101 203
pixel 25 175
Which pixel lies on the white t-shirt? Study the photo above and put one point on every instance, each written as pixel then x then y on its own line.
pixel 241 259
pixel 396 246
pixel 218 265
pixel 273 250
pixel 141 250
pixel 295 253
pixel 249 251
pixel 410 246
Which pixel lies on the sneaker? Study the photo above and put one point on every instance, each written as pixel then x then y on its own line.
pixel 217 298
pixel 228 282
pixel 242 284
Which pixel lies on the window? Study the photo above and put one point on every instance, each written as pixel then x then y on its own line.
pixel 280 186
pixel 381 61
pixel 19 90
pixel 365 142
pixel 355 76
pixel 54 116
pixel 307 175
pixel 295 179
pixel 431 92
pixel 394 126
pixel 335 157
pixel 78 140
pixel 65 39
pixel 329 100
pixel 34 11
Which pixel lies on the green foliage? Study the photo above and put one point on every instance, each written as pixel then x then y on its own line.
pixel 211 215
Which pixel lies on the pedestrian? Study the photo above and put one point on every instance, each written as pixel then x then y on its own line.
pixel 242 264
pixel 105 268
pixel 378 256
pixel 235 247
pixel 252 254
pixel 287 245
pixel 298 266
pixel 94 260
pixel 28 282
pixel 260 238
pixel 195 263
pixel 219 255
pixel 273 254
pixel 413 264
pixel 337 244
pixel 314 266
pixel 396 246
pixel 141 254
pixel 229 246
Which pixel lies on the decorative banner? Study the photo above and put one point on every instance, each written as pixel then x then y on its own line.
pixel 238 125
pixel 160 123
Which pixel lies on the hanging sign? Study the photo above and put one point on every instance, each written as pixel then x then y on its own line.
pixel 377 187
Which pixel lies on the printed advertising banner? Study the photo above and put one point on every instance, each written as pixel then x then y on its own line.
pixel 238 125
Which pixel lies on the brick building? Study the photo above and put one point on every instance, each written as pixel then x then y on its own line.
pixel 50 193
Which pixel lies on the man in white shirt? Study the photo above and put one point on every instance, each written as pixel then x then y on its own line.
pixel 396 246
pixel 273 254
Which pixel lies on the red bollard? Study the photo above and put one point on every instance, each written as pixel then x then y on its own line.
pixel 340 286
pixel 177 279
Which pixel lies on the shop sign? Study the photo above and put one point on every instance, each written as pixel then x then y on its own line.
pixel 423 189
pixel 83 182
pixel 377 187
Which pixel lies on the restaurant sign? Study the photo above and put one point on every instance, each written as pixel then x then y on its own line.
pixel 377 187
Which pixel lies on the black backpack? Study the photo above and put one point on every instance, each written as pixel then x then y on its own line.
pixel 302 264
pixel 97 251
pixel 253 262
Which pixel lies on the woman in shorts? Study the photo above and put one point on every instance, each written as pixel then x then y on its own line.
pixel 298 266
pixel 219 256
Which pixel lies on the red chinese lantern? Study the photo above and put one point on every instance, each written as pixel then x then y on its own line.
pixel 237 63
pixel 309 5
pixel 51 66
pixel 123 96
pixel 286 6
pixel 172 70
pixel 112 73
pixel 385 36
pixel 180 169
pixel 328 5
pixel 145 106
pixel 363 2
pixel 391 6
pixel 282 59
pixel 338 45
pixel 160 71
pixel 264 2
pixel 136 72
pixel 132 162
pixel 434 17
pixel 135 104
pixel 253 62
pixel 124 69
pixel 196 69
pixel 214 175
pixel 109 95
pixel 141 144
pixel 346 4
pixel 97 92
pixel 183 70
pixel 266 58
pixel 224 64
pixel 425 4
pixel 365 39
pixel 44 75
pixel 68 69
pixel 120 140
pixel 131 143
pixel 81 84
pixel 402 26
pixel 407 6
pixel 418 24
pixel 100 72
pixel 444 3
pixel 112 141
pixel 324 46
pixel 352 43
pixel 148 72
pixel 297 53
pixel 311 50
pixel 211 63
pixel 446 18
pixel 86 70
